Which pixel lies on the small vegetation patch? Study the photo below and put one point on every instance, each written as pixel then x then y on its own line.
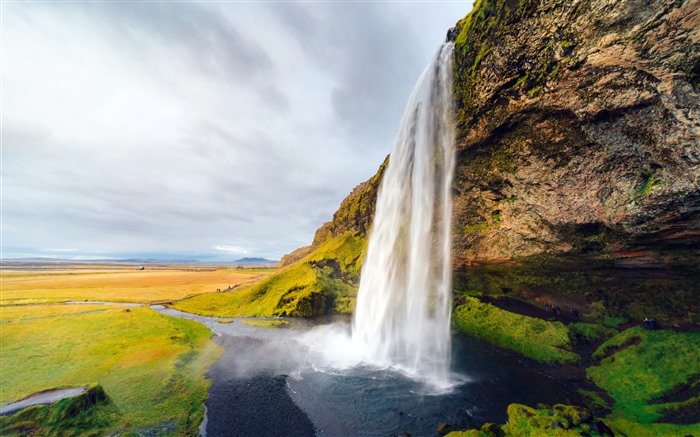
pixel 558 420
pixel 593 399
pixel 648 184
pixel 538 339
pixel 263 323
pixel 653 363
pixel 586 333
pixel 86 414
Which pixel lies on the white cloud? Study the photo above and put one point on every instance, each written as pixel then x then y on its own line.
pixel 169 127
pixel 232 249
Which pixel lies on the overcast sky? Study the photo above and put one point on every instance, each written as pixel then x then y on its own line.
pixel 210 131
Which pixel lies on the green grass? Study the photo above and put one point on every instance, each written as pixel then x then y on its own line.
pixel 614 321
pixel 586 333
pixel 623 426
pixel 538 339
pixel 649 364
pixel 150 365
pixel 323 282
pixel 593 398
pixel 266 323
pixel 88 414
pixel 559 420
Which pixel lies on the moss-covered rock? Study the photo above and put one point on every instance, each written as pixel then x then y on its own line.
pixel 558 420
pixel 576 135
pixel 85 414
pixel 538 339
pixel 639 365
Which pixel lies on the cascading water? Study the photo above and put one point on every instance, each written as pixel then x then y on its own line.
pixel 402 317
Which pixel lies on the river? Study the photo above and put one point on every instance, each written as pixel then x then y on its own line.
pixel 268 382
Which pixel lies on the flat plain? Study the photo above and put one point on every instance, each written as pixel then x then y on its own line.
pixel 151 366
pixel 115 284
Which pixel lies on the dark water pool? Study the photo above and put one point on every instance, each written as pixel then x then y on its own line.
pixel 381 403
pixel 267 384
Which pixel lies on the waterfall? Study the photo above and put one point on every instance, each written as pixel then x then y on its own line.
pixel 402 317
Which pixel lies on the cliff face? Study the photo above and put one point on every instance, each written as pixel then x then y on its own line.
pixel 354 215
pixel 578 177
pixel 578 167
pixel 578 126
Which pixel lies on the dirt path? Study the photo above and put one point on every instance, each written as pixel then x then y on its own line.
pixel 527 309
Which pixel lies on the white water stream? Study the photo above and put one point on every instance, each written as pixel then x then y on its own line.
pixel 402 317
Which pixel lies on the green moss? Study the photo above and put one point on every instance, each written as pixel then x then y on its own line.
pixel 478 228
pixel 593 399
pixel 649 184
pixel 480 33
pixel 614 321
pixel 86 414
pixel 266 323
pixel 585 333
pixel 494 221
pixel 470 433
pixel 357 209
pixel 558 420
pixel 627 427
pixel 610 291
pixel 535 338
pixel 645 365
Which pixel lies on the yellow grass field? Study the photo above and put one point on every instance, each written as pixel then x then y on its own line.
pixel 146 286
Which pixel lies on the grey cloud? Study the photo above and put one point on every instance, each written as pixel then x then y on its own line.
pixel 371 49
pixel 212 43
pixel 180 127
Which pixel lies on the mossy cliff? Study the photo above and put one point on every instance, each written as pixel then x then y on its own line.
pixel 579 153
pixel 578 163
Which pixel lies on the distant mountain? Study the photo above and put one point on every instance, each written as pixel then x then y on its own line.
pixel 253 261
pixel 44 261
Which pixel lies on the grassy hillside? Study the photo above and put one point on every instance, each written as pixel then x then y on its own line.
pixel 323 282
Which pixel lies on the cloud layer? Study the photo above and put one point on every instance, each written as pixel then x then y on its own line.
pixel 209 130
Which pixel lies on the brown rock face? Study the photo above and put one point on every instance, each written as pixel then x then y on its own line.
pixel 578 125
pixel 578 167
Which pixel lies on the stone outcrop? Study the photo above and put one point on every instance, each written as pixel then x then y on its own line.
pixel 578 167
pixel 578 126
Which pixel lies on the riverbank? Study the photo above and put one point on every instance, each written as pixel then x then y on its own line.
pixel 626 374
pixel 359 399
